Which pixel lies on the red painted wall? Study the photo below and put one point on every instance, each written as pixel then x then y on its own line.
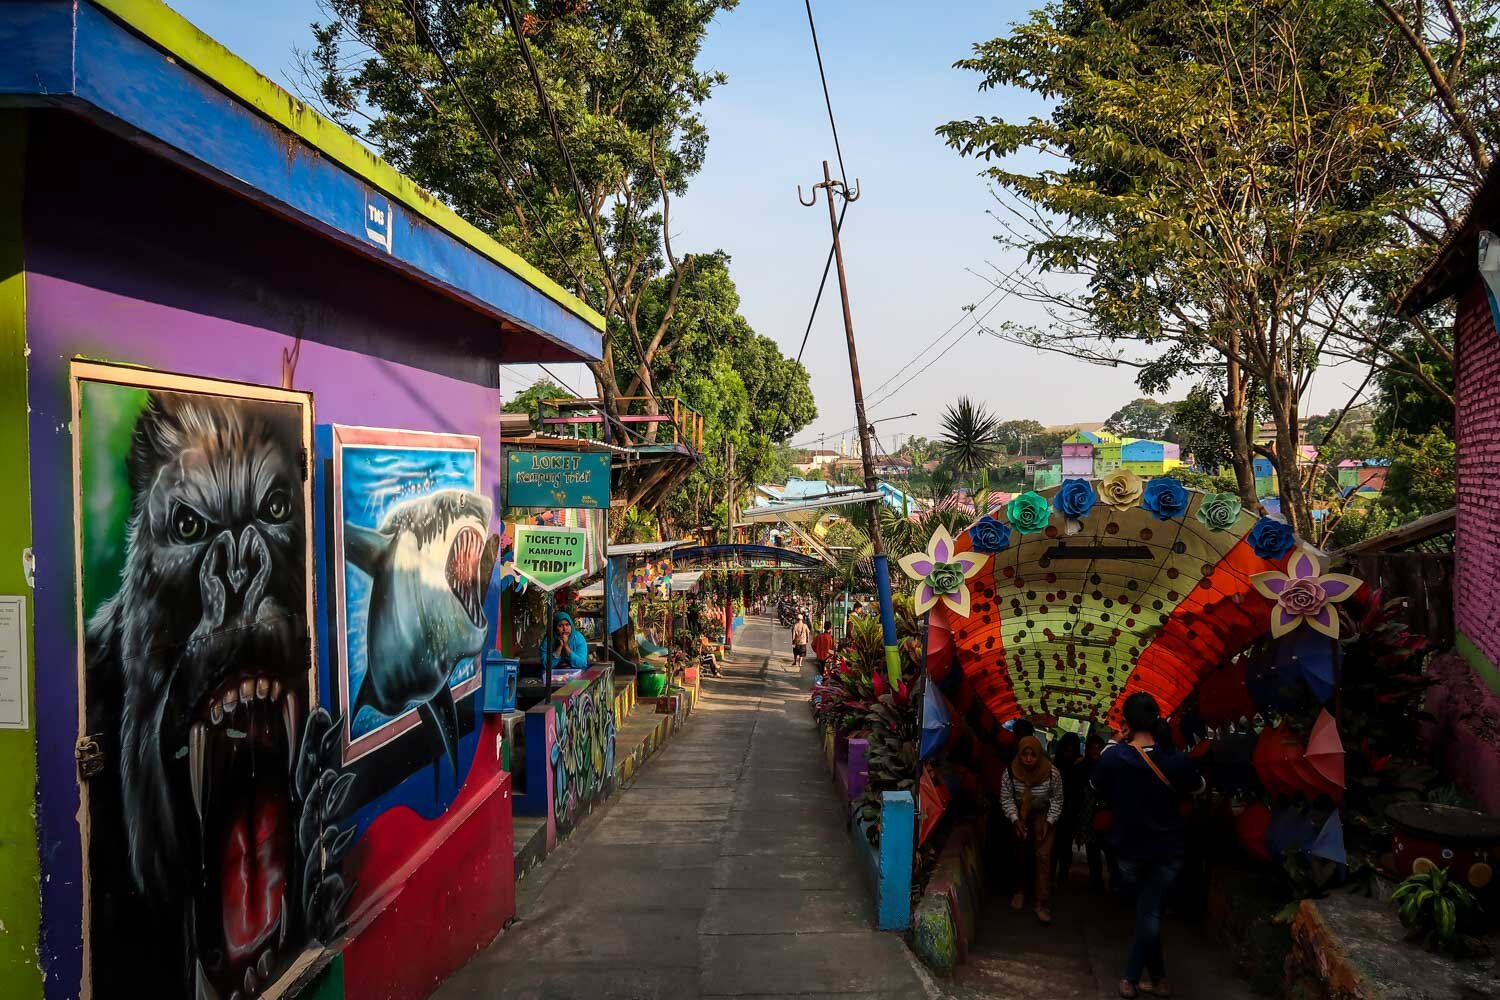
pixel 435 892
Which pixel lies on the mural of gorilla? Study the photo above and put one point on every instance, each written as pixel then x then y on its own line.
pixel 213 854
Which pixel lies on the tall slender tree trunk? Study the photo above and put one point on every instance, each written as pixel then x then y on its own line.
pixel 1288 474
pixel 1242 455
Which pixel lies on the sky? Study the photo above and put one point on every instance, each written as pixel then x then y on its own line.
pixel 916 243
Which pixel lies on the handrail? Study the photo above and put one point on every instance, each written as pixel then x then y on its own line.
pixel 686 423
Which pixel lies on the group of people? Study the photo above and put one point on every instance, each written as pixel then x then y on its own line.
pixel 822 644
pixel 1141 782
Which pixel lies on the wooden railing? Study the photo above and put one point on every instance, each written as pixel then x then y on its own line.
pixel 642 420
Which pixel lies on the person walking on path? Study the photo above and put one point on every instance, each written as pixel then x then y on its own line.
pixel 822 645
pixel 1145 785
pixel 801 636
pixel 1031 793
pixel 1069 760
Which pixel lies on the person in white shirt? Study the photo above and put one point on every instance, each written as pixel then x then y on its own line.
pixel 1031 793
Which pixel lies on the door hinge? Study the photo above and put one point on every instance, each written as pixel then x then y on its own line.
pixel 90 756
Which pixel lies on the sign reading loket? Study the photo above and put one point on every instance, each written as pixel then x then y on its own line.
pixel 557 479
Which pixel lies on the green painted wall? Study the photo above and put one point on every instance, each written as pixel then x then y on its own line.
pixel 20 896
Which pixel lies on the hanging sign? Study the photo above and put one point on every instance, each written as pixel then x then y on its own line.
pixel 550 557
pixel 557 479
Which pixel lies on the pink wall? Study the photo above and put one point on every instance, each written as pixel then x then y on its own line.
pixel 1477 562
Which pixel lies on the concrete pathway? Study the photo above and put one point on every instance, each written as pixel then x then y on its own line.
pixel 1080 955
pixel 723 870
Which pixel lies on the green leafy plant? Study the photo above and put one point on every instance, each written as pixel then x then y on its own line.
pixel 1435 909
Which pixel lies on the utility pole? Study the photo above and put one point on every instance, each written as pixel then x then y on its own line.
pixel 729 514
pixel 831 188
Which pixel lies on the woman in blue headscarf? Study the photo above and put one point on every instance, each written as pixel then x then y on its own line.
pixel 568 649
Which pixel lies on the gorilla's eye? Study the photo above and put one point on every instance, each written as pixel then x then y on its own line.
pixel 276 507
pixel 188 526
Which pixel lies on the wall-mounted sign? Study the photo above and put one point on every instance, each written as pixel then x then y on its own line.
pixel 13 696
pixel 557 479
pixel 379 221
pixel 550 557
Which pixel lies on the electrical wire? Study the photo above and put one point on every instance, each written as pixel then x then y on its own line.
pixel 562 147
pixel 510 173
pixel 838 150
pixel 1016 277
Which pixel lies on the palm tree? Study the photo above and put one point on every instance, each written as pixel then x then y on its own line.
pixel 971 440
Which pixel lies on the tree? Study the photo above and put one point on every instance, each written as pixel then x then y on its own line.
pixel 1221 186
pixel 1019 437
pixel 1201 428
pixel 1423 474
pixel 441 89
pixel 525 401
pixel 1141 418
pixel 969 438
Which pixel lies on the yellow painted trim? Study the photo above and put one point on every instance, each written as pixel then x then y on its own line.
pixel 179 38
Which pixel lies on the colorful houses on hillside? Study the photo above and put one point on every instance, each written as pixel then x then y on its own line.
pixel 1098 453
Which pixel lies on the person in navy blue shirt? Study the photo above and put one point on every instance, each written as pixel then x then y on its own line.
pixel 1145 782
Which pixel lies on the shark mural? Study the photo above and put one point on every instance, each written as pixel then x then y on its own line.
pixel 413 555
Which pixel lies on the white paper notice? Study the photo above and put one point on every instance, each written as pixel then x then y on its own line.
pixel 13 697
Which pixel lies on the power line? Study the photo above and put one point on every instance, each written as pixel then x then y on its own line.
pixel 833 126
pixel 994 288
pixel 562 147
pixel 510 173
pixel 811 26
pixel 1016 282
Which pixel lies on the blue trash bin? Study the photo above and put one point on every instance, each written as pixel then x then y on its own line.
pixel 500 682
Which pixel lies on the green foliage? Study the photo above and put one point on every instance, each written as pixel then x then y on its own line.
pixel 525 401
pixel 1200 427
pixel 1423 472
pixel 1141 418
pixel 1435 908
pixel 621 76
pixel 1221 181
pixel 970 438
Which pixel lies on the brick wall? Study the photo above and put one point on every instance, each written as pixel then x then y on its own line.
pixel 1477 569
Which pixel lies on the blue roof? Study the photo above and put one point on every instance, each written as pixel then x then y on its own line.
pixel 136 68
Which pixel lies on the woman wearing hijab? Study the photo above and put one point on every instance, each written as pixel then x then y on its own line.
pixel 1031 793
pixel 568 650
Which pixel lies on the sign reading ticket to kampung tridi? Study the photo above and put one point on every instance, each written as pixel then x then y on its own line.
pixel 550 557
pixel 557 479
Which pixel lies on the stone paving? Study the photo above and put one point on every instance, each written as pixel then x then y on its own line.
pixel 723 870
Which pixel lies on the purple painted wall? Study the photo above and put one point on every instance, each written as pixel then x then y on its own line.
pixel 148 266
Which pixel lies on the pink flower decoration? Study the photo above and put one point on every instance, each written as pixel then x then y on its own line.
pixel 1305 594
pixel 943 573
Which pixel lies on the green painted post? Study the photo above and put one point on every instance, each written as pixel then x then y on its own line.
pixel 20 872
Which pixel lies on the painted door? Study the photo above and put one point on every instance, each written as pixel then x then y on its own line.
pixel 204 874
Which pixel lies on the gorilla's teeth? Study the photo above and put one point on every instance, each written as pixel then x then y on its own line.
pixel 262 687
pixel 250 983
pixel 263 967
pixel 216 713
pixel 275 690
pixel 231 700
pixel 197 757
pixel 290 720
pixel 247 690
pixel 202 988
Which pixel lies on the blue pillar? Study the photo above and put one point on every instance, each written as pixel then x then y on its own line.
pixel 898 824
pixel 887 618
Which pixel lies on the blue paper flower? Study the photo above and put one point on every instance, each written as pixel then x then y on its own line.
pixel 1165 498
pixel 1271 539
pixel 989 535
pixel 1075 498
